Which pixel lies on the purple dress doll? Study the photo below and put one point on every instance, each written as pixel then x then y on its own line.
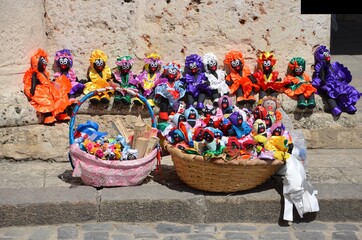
pixel 332 83
pixel 197 85
pixel 63 65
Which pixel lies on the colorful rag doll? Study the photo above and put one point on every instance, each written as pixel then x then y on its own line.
pixel 268 80
pixel 278 143
pixel 300 87
pixel 239 127
pixel 197 85
pixel 63 65
pixel 169 94
pixel 213 147
pixel 332 83
pixel 98 75
pixel 149 78
pixel 123 75
pixel 271 105
pixel 225 104
pixel 216 78
pixel 239 78
pixel 48 97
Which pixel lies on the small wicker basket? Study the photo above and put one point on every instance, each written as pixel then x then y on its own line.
pixel 218 175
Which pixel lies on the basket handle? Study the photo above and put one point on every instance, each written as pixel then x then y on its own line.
pixel 100 90
pixel 118 89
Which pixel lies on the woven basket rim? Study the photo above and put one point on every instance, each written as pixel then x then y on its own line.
pixel 174 151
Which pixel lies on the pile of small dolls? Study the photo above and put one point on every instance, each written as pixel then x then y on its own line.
pixel 94 142
pixel 230 132
pixel 168 85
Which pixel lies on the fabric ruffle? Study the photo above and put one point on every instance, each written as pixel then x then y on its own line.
pixel 270 83
pixel 195 87
pixel 299 86
pixel 218 83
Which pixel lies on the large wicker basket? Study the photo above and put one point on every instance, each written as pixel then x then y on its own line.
pixel 218 175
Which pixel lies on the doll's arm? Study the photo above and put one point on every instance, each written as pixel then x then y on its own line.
pixel 34 83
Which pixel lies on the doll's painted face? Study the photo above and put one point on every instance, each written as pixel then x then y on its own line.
pixel 270 105
pixel 42 64
pixel 212 65
pixel 153 66
pixel 208 111
pixel 224 103
pixel 199 134
pixel 218 134
pixel 277 131
pixel 64 64
pixel 236 64
pixel 99 65
pixel 298 71
pixel 171 74
pixel 259 126
pixel 267 66
pixel 176 136
pixel 208 136
pixel 125 67
pixel 327 56
pixel 193 67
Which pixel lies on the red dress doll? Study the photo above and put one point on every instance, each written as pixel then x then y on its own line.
pixel 268 80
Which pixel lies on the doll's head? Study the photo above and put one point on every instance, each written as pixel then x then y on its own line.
pixel 208 135
pixel 266 62
pixel 208 111
pixel 321 53
pixel 198 134
pixel 172 71
pixel 234 61
pixel 210 62
pixel 296 66
pixel 277 129
pixel 63 60
pixel 225 103
pixel 259 112
pixel 270 103
pixel 191 116
pixel 259 126
pixel 124 64
pixel 193 64
pixel 236 119
pixel 152 63
pixel 177 119
pixel 176 136
pixel 98 60
pixel 39 60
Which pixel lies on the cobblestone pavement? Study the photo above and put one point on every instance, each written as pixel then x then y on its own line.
pixel 175 231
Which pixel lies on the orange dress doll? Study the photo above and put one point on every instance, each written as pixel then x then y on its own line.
pixel 47 97
pixel 239 79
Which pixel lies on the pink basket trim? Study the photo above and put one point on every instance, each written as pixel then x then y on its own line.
pixel 97 172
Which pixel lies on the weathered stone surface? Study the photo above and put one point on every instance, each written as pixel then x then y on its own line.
pixel 174 29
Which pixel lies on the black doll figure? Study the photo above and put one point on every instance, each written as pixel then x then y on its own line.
pixel 332 81
pixel 216 77
pixel 123 75
pixel 197 85
pixel 169 94
pixel 239 79
pixel 63 65
pixel 98 75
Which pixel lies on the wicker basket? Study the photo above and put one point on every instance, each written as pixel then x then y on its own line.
pixel 102 173
pixel 218 175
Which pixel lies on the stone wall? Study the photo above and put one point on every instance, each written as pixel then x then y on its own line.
pixel 171 28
